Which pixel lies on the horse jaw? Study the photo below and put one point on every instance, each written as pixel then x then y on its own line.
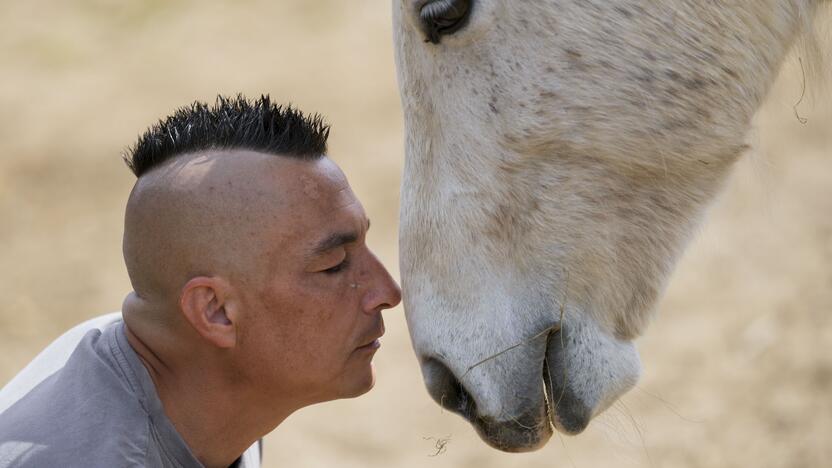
pixel 558 156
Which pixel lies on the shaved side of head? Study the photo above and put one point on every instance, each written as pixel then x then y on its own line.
pixel 196 216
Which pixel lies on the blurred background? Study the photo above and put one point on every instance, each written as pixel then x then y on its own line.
pixel 737 364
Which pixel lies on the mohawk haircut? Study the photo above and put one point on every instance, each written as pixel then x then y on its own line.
pixel 231 123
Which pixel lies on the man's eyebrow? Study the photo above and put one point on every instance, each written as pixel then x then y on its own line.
pixel 335 240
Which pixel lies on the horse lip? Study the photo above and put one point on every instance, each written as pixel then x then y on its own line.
pixel 565 412
pixel 521 433
pixel 526 433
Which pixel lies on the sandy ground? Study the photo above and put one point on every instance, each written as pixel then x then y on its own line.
pixel 737 364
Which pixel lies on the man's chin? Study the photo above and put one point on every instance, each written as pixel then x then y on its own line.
pixel 360 383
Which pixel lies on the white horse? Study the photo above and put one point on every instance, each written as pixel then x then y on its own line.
pixel 559 154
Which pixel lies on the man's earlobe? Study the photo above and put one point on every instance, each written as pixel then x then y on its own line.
pixel 204 304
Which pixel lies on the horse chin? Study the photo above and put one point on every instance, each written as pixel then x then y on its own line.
pixel 529 429
pixel 557 381
pixel 525 433
pixel 561 411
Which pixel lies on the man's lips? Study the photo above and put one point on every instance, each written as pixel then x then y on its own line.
pixel 375 344
pixel 372 342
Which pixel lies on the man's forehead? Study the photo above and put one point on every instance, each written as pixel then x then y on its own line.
pixel 317 206
pixel 268 177
pixel 313 179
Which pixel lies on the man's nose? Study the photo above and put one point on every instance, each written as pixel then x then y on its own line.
pixel 382 292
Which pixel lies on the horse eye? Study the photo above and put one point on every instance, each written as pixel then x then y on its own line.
pixel 443 17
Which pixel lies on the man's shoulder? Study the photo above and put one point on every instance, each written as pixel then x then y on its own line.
pixel 52 359
pixel 84 412
pixel 73 445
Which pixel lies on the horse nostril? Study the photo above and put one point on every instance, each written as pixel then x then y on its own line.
pixel 442 17
pixel 445 389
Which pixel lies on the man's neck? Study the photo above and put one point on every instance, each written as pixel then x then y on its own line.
pixel 217 419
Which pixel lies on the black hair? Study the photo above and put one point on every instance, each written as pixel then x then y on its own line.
pixel 231 123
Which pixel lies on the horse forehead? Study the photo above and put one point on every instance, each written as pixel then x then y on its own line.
pixel 580 40
pixel 613 79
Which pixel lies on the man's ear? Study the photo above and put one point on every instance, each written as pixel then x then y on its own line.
pixel 205 305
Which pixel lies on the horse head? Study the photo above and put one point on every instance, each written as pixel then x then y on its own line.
pixel 559 154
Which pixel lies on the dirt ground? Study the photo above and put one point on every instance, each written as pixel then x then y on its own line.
pixel 737 364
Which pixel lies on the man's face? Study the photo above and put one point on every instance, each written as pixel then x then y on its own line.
pixel 311 301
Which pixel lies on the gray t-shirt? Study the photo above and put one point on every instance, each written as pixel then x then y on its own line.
pixel 99 409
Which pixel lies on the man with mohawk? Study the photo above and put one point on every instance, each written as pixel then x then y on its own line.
pixel 254 295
